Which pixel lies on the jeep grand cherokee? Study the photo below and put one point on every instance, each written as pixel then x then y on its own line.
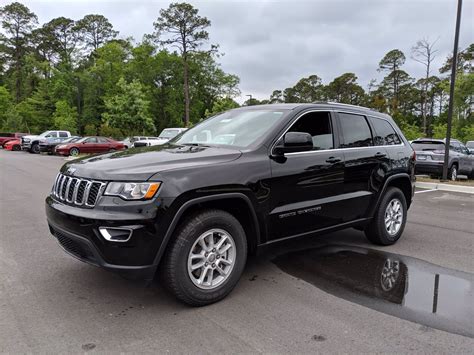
pixel 193 208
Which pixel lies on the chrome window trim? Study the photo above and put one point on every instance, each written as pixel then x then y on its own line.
pixel 336 149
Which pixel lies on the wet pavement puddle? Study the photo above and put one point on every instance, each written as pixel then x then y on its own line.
pixel 402 286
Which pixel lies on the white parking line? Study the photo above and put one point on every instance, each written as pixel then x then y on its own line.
pixel 419 192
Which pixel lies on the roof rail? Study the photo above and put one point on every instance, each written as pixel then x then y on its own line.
pixel 341 104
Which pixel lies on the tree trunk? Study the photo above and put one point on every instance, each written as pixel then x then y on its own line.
pixel 186 91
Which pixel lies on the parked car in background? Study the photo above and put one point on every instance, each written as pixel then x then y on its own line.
pixel 89 145
pixel 165 135
pixel 31 142
pixel 5 137
pixel 430 158
pixel 470 146
pixel 129 141
pixel 14 144
pixel 49 144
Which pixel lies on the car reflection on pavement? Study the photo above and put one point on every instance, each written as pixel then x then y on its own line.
pixel 398 285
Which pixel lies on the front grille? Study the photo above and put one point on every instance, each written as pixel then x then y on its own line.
pixel 80 250
pixel 77 191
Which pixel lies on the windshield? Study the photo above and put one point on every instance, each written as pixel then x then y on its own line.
pixel 427 146
pixel 169 133
pixel 238 128
pixel 71 140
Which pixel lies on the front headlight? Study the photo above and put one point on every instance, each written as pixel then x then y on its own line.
pixel 133 190
pixel 26 140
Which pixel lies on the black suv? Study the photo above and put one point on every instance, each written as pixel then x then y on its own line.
pixel 193 208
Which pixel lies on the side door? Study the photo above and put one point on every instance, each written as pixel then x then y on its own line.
pixel 103 145
pixel 62 136
pixel 306 187
pixel 366 164
pixel 468 160
pixel 89 145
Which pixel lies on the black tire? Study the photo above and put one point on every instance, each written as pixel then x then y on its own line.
pixel 174 269
pixel 35 148
pixel 453 172
pixel 74 152
pixel 376 232
pixel 16 148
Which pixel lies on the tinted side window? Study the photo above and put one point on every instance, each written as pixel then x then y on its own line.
pixel 102 140
pixel 384 133
pixel 318 125
pixel 355 131
pixel 91 140
pixel 63 134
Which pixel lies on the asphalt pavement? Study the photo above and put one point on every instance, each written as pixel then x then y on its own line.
pixel 52 303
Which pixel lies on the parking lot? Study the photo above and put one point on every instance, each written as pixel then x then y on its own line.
pixel 50 302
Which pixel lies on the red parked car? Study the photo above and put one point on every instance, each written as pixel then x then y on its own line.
pixel 89 145
pixel 13 144
pixel 5 137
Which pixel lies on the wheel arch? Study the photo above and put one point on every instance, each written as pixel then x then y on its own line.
pixel 401 181
pixel 237 204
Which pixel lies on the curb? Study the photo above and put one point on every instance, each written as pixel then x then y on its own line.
pixel 445 187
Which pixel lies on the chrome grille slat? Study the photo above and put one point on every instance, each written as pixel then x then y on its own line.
pixel 77 191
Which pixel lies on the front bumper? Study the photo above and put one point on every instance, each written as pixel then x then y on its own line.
pixel 25 146
pixel 77 231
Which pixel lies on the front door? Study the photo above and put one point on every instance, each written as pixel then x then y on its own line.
pixel 306 187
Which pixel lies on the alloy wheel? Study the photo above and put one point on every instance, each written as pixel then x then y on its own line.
pixel 211 259
pixel 393 216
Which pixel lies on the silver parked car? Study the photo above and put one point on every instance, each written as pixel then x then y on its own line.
pixel 430 158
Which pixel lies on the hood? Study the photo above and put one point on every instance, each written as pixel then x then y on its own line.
pixel 140 164
pixel 30 137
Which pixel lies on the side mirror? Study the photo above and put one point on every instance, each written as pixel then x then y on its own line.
pixel 295 142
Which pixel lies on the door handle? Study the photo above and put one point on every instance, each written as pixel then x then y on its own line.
pixel 380 155
pixel 333 160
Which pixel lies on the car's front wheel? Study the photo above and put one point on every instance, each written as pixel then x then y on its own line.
pixel 35 148
pixel 74 152
pixel 389 220
pixel 453 172
pixel 206 258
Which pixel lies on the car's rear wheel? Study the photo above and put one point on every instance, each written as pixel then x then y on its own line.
pixel 206 258
pixel 389 220
pixel 453 172
pixel 74 152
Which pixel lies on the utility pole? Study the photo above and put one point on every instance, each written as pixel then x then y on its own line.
pixel 451 92
pixel 250 100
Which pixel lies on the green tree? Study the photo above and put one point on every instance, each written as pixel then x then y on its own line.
pixel 179 26
pixel 65 117
pixel 221 105
pixel 62 37
pixel 6 104
pixel 95 30
pixel 128 109
pixel 17 21
pixel 345 89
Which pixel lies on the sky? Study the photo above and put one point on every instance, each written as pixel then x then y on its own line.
pixel 270 45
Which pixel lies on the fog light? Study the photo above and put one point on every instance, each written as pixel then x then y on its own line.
pixel 113 234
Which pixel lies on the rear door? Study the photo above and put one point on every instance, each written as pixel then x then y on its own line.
pixel 306 187
pixel 366 164
pixel 103 145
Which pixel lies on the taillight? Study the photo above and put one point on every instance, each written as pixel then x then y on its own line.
pixel 413 156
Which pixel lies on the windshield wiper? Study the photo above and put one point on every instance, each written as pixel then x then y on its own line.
pixel 196 144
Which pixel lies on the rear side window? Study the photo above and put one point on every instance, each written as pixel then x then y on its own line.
pixel 6 134
pixel 318 125
pixel 63 134
pixel 355 131
pixel 384 133
pixel 102 140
